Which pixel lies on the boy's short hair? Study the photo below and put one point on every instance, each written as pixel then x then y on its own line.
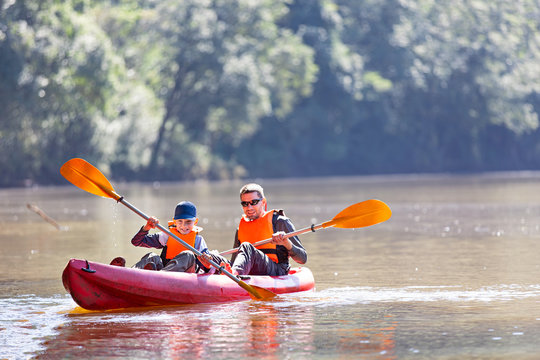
pixel 252 187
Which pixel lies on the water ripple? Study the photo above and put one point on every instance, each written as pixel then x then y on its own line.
pixel 457 293
pixel 26 322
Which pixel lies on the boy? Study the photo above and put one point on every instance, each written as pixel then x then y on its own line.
pixel 174 256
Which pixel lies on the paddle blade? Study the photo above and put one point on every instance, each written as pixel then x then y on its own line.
pixel 362 214
pixel 85 176
pixel 256 292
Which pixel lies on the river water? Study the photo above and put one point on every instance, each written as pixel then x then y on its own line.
pixel 455 273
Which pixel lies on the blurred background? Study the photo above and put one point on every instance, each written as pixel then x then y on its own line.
pixel 176 90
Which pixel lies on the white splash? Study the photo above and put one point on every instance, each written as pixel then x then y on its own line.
pixel 456 293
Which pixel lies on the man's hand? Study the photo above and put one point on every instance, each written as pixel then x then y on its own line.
pixel 280 238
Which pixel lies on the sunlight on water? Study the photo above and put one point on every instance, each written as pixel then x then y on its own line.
pixel 26 322
pixel 366 295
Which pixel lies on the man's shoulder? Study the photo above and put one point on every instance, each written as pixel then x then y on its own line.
pixel 279 214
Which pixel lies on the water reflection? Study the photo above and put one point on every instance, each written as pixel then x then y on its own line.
pixel 375 339
pixel 244 329
pixel 290 327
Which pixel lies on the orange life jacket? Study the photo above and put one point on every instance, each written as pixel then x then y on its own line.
pixel 175 247
pixel 257 230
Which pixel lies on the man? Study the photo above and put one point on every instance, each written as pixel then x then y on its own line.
pixel 259 224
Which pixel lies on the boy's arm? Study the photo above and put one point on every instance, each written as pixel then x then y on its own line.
pixel 200 244
pixel 142 239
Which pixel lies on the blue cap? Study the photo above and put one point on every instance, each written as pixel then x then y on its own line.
pixel 185 210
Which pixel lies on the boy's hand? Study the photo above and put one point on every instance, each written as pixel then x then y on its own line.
pixel 151 223
pixel 204 259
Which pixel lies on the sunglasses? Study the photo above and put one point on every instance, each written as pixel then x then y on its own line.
pixel 252 202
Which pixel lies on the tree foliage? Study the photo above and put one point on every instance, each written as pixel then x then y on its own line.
pixel 473 66
pixel 60 74
pixel 173 90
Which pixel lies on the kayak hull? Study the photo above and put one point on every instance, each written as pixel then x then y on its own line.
pixel 96 286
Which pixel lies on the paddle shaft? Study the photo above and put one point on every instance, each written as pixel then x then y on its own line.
pixel 352 213
pixel 312 228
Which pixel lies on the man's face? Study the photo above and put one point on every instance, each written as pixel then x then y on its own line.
pixel 251 210
pixel 185 226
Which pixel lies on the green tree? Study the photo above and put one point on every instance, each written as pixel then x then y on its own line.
pixel 59 75
pixel 331 128
pixel 470 64
pixel 224 65
pixel 126 137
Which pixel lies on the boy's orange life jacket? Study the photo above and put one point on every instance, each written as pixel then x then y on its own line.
pixel 257 230
pixel 175 247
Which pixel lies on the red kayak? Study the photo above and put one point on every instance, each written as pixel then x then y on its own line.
pixel 96 286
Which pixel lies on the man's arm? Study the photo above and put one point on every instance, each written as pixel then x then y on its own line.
pixel 297 251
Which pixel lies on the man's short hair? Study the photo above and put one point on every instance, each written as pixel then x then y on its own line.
pixel 252 187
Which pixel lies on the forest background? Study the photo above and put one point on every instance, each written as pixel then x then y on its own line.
pixel 151 90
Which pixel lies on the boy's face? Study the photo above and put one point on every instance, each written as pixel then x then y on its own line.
pixel 185 226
